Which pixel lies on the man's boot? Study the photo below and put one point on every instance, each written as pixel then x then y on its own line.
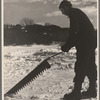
pixel 75 94
pixel 91 92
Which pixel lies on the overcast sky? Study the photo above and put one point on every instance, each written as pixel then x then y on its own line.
pixel 42 11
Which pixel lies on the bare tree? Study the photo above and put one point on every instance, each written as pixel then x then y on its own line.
pixel 47 24
pixel 26 21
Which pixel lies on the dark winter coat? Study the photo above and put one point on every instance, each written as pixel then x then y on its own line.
pixel 82 33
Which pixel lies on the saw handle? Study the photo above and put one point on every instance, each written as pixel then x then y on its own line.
pixel 54 55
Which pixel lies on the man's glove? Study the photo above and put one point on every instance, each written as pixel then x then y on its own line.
pixel 64 48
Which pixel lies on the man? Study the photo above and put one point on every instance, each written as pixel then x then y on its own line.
pixel 83 37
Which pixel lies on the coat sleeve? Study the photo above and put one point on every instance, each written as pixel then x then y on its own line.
pixel 74 29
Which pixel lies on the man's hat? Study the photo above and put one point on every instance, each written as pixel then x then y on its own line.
pixel 65 3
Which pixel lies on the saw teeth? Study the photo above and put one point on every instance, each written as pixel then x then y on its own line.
pixel 29 78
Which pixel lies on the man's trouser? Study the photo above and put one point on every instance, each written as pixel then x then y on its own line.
pixel 85 66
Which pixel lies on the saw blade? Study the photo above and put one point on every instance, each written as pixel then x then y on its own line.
pixel 30 77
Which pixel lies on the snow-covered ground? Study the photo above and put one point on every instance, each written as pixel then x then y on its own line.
pixel 52 84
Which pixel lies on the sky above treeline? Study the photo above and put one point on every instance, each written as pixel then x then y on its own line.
pixel 45 11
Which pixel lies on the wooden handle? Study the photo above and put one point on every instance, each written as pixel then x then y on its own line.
pixel 54 55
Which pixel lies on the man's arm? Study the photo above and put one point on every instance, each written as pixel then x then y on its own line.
pixel 71 40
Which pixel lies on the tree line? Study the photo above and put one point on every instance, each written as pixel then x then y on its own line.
pixel 34 33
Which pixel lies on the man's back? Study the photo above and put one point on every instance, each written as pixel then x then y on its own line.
pixel 80 24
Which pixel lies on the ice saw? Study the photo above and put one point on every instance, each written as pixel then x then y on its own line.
pixel 31 76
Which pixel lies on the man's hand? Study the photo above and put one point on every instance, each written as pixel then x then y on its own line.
pixel 64 48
